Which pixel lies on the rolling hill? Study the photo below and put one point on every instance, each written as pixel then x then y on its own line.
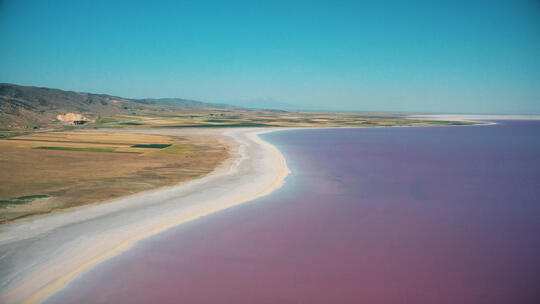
pixel 27 107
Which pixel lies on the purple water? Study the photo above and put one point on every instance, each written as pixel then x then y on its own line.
pixel 385 215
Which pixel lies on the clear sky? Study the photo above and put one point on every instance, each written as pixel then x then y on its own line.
pixel 426 56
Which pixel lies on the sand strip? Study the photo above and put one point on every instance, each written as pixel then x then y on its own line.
pixel 480 118
pixel 40 255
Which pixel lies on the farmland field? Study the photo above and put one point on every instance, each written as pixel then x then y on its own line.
pixel 47 171
pixel 261 118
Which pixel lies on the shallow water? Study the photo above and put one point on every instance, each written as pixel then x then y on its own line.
pixel 380 215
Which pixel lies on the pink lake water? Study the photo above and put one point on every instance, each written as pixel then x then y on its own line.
pixel 381 215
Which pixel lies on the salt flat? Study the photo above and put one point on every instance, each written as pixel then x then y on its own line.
pixel 38 256
pixel 472 117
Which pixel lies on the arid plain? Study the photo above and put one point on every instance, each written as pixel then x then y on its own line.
pixel 58 170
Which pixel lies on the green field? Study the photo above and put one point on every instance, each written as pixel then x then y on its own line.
pixel 152 146
pixel 21 199
pixel 84 149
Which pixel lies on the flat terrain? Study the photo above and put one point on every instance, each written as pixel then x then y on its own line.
pixel 41 254
pixel 48 162
pixel 42 172
pixel 260 118
pixel 45 170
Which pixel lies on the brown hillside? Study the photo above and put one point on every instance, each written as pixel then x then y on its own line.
pixel 25 107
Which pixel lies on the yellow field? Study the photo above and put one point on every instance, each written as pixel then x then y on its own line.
pixel 261 118
pixel 46 171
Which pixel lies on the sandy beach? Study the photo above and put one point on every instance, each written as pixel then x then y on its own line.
pixel 40 255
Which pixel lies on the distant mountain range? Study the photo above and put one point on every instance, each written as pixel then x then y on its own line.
pixel 182 103
pixel 34 107
pixel 266 104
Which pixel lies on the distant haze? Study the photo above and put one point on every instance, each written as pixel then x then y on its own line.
pixel 406 56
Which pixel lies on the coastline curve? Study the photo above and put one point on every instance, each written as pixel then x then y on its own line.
pixel 71 242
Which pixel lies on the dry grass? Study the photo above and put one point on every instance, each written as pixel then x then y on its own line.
pixel 262 118
pixel 36 181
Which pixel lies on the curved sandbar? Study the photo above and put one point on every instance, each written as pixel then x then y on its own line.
pixel 38 256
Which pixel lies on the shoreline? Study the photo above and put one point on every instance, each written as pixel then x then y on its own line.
pixel 256 169
pixel 481 119
pixel 33 283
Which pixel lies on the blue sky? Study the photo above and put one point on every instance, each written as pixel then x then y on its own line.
pixel 416 56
